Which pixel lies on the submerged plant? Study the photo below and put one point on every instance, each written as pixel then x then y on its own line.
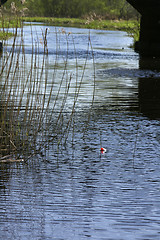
pixel 39 94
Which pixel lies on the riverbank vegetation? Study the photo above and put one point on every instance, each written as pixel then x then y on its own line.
pixel 85 23
pixel 104 9
pixel 130 26
pixel 7 22
pixel 93 14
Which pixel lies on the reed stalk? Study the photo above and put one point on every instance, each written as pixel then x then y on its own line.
pixel 34 109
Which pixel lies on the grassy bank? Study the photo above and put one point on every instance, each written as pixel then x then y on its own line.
pixel 86 23
pixel 130 26
pixel 5 35
pixel 6 23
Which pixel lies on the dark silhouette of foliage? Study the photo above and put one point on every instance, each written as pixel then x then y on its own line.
pixel 2 2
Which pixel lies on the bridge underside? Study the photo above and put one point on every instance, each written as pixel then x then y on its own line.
pixel 149 41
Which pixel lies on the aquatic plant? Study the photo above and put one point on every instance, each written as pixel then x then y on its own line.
pixel 39 98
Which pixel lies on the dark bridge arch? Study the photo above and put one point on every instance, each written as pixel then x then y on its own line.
pixel 149 41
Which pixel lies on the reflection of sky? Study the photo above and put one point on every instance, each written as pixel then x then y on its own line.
pixel 100 39
pixel 111 51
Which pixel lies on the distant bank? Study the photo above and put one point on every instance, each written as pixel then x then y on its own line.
pixel 130 26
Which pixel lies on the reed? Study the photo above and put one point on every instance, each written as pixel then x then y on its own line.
pixel 36 107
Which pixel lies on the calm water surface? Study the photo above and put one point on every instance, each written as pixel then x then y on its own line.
pixel 79 193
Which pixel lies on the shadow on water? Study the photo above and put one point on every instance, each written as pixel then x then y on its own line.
pixel 143 93
pixel 149 88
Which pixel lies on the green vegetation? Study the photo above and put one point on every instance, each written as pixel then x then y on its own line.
pixel 83 8
pixel 106 9
pixel 130 26
pixel 6 23
pixel 97 14
pixel 85 23
pixel 5 35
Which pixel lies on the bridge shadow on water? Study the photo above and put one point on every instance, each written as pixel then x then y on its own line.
pixel 149 88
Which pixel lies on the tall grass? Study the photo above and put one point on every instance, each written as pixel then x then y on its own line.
pixel 39 99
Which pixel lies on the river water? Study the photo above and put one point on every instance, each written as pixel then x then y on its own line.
pixel 79 192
